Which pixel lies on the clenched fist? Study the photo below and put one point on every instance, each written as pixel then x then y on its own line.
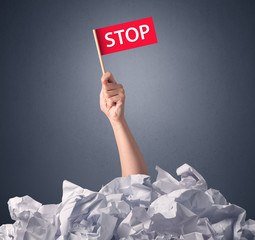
pixel 112 98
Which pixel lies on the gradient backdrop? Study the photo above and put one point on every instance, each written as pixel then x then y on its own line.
pixel 189 98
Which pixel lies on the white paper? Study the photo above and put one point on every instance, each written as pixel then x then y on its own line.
pixel 132 208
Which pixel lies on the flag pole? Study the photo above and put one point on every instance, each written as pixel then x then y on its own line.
pixel 99 52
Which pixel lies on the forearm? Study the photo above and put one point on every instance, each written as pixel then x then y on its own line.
pixel 112 100
pixel 131 158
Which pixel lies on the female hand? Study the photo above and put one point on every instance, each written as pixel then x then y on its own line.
pixel 112 98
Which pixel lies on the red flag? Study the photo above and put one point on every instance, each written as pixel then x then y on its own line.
pixel 126 36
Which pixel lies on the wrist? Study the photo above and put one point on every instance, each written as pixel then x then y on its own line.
pixel 117 124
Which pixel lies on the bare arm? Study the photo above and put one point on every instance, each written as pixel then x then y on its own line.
pixel 131 158
pixel 112 100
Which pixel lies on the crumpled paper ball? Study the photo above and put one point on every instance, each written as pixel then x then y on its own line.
pixel 132 208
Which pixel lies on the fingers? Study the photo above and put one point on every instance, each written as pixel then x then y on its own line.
pixel 108 82
pixel 107 78
pixel 111 93
pixel 114 96
pixel 118 98
pixel 115 92
pixel 112 86
pixel 112 90
pixel 115 99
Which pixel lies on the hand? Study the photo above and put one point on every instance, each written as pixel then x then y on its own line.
pixel 112 98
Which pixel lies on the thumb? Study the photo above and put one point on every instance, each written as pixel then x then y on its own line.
pixel 104 80
pixel 107 78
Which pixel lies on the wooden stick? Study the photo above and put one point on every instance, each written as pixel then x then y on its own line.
pixel 99 52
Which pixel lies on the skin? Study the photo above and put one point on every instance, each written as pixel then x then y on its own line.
pixel 112 102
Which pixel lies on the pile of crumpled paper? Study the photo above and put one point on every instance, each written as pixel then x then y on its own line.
pixel 132 208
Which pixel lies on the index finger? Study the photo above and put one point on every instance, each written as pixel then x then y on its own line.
pixel 112 86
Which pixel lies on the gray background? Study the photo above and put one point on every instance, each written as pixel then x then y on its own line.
pixel 189 98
